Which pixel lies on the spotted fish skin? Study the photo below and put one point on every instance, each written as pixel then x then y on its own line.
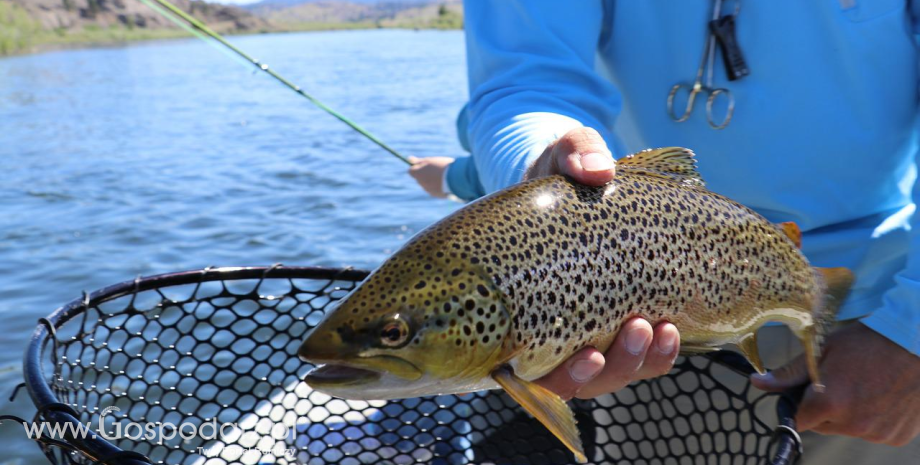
pixel 507 288
pixel 574 262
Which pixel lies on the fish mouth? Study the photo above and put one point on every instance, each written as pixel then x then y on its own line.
pixel 340 375
pixel 361 371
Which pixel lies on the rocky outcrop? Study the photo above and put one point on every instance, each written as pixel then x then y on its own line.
pixel 74 14
pixel 389 13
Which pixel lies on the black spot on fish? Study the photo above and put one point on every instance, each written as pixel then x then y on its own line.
pixel 482 290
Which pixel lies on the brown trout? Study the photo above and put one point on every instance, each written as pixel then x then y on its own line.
pixel 505 289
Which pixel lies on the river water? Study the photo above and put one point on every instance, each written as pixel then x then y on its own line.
pixel 165 156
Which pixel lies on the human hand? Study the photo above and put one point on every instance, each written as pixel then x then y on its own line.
pixel 429 173
pixel 581 153
pixel 638 352
pixel 872 388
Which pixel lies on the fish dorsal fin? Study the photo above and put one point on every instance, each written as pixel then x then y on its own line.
pixel 674 163
pixel 792 231
pixel 545 406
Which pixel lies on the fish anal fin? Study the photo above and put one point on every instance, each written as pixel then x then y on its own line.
pixel 792 231
pixel 674 163
pixel 547 407
pixel 748 347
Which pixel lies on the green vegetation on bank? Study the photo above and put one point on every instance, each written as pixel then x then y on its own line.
pixel 446 19
pixel 19 33
pixel 17 29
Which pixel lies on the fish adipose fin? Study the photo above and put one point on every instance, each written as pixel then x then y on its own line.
pixel 674 163
pixel 545 406
pixel 837 284
pixel 791 230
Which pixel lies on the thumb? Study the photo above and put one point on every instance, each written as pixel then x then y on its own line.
pixel 790 375
pixel 582 154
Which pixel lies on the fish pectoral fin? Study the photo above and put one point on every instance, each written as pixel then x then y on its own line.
pixel 545 406
pixel 792 231
pixel 748 347
pixel 673 163
pixel 687 349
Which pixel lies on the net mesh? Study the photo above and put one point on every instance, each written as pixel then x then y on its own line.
pixel 219 354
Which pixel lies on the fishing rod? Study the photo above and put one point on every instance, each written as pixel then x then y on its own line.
pixel 197 26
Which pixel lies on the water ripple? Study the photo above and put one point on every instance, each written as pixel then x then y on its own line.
pixel 127 161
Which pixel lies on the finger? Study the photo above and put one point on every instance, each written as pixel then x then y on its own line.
pixel 817 410
pixel 568 378
pixel 826 428
pixel 582 154
pixel 414 160
pixel 622 360
pixel 790 375
pixel 661 354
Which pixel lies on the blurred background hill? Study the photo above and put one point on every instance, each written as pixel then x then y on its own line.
pixel 35 25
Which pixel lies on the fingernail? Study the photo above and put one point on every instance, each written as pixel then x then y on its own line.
pixel 596 162
pixel 667 342
pixel 583 371
pixel 766 378
pixel 635 341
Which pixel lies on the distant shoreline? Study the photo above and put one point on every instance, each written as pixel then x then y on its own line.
pixel 49 41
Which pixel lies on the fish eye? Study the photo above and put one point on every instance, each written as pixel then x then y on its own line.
pixel 395 333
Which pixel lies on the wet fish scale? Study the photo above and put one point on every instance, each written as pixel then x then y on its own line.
pixel 576 261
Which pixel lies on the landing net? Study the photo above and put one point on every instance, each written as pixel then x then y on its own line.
pixel 218 347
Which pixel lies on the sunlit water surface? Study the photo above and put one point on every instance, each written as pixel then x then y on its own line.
pixel 166 156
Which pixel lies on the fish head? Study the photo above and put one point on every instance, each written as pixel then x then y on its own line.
pixel 415 327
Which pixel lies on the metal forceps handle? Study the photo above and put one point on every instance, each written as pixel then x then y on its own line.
pixel 710 103
pixel 713 94
pixel 692 91
pixel 706 65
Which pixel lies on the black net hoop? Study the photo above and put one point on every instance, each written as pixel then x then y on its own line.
pixel 218 346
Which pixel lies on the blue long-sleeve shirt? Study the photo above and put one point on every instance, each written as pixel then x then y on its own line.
pixel 824 130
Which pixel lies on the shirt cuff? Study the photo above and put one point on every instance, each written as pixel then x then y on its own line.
pixel 889 326
pixel 506 147
pixel 462 180
pixel 899 318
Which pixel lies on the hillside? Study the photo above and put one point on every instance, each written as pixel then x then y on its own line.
pixel 294 14
pixel 279 4
pixel 31 25
pixel 75 14
pixel 34 25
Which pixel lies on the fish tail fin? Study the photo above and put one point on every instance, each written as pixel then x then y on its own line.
pixel 836 283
